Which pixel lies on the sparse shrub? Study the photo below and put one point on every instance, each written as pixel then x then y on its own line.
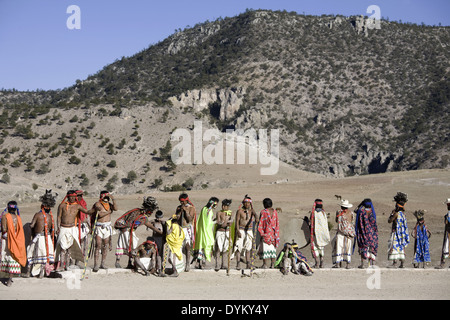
pixel 74 160
pixel 5 178
pixel 102 175
pixel 112 164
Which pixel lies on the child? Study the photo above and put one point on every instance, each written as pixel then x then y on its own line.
pixel 422 243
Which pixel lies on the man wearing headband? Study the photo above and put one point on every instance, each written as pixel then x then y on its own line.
pixel 83 223
pixel 269 229
pixel 145 256
pixel 68 244
pixel 128 223
pixel 187 215
pixel 223 223
pixel 204 238
pixel 103 229
pixel 40 251
pixel 366 232
pixel 445 244
pixel 14 255
pixel 245 218
pixel 320 235
pixel 343 241
pixel 399 239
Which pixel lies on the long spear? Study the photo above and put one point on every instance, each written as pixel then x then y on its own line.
pixel 253 247
pixel 86 258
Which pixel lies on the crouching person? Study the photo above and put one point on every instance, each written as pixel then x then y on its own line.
pixel 145 256
pixel 291 258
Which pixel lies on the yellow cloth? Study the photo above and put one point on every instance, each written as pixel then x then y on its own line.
pixel 175 238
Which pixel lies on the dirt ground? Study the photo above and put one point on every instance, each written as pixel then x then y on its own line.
pixel 426 189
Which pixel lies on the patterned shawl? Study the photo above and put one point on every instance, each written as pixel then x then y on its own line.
pixel 421 245
pixel 401 235
pixel 344 226
pixel 366 230
pixel 269 227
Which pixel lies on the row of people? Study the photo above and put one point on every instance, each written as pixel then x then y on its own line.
pixel 80 233
pixel 360 227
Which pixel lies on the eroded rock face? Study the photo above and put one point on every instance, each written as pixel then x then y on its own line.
pixel 361 25
pixel 182 40
pixel 222 103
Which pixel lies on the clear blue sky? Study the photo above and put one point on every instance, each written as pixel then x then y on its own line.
pixel 38 51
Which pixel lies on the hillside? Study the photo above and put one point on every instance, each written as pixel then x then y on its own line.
pixel 347 100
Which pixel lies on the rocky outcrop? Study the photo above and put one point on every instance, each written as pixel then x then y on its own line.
pixel 181 40
pixel 361 25
pixel 222 103
pixel 373 161
pixel 334 22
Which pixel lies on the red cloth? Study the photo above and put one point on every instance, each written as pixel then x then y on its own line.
pixel 269 227
pixel 84 205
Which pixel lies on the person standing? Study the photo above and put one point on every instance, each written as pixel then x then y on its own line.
pixel 422 236
pixel 188 220
pixel 174 244
pixel 14 254
pixel 159 238
pixel 399 239
pixel 243 228
pixel 320 235
pixel 83 223
pixel 68 245
pixel 204 238
pixel 269 229
pixel 445 244
pixel 342 242
pixel 366 230
pixel 40 252
pixel 103 232
pixel 223 223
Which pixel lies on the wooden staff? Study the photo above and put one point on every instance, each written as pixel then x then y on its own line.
pixel 229 251
pixel 253 248
pixel 166 253
pixel 86 258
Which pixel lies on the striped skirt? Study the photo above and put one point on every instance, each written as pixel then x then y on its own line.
pixel 8 264
pixel 269 251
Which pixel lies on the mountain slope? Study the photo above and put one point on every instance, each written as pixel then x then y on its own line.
pixel 347 99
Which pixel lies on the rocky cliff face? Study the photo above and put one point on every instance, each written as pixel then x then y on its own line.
pixel 219 103
pixel 193 37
